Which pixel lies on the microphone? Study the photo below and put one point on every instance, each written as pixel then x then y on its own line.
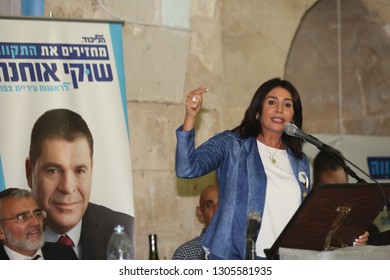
pixel 292 130
pixel 252 229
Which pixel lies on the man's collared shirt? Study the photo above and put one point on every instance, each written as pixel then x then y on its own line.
pixel 74 234
pixel 16 256
pixel 191 250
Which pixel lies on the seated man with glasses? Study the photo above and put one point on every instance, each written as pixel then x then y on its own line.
pixel 21 230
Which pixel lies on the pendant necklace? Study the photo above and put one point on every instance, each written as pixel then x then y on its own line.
pixel 271 155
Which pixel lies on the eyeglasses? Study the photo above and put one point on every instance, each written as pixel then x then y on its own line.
pixel 26 216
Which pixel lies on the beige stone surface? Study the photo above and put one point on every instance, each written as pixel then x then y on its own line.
pixel 232 47
pixel 155 63
pixel 339 62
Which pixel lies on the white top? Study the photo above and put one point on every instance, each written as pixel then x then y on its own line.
pixel 282 199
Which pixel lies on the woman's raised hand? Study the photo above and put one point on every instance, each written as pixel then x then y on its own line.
pixel 194 100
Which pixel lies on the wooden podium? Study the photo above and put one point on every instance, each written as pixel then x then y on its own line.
pixel 332 216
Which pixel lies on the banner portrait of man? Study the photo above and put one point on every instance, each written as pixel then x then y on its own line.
pixel 64 126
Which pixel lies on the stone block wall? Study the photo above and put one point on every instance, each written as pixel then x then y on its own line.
pixel 232 46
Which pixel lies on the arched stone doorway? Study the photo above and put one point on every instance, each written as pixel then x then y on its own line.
pixel 340 63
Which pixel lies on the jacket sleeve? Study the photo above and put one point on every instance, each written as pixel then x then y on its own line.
pixel 193 163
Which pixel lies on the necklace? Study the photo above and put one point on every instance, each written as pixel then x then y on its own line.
pixel 271 155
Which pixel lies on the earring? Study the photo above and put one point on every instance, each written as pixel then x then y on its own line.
pixel 257 117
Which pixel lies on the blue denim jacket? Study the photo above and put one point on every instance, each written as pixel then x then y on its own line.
pixel 242 184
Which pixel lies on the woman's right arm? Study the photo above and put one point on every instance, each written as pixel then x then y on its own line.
pixel 190 162
pixel 193 163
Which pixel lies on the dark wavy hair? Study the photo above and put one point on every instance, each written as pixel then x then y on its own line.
pixel 250 125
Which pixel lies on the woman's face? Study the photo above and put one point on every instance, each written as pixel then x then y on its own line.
pixel 278 110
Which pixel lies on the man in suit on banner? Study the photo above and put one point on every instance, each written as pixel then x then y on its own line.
pixel 59 173
pixel 21 230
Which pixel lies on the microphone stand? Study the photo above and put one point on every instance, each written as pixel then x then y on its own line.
pixel 292 130
pixel 332 152
pixel 253 227
pixel 250 249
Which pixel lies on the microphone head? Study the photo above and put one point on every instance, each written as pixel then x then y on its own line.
pixel 254 216
pixel 290 129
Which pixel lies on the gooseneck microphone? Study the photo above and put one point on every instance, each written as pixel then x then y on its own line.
pixel 252 229
pixel 292 130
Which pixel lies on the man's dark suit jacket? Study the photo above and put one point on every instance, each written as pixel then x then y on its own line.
pixel 379 238
pixel 97 228
pixel 51 251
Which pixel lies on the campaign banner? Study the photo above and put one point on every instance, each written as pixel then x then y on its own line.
pixel 50 63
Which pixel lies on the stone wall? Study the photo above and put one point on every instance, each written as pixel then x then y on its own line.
pixel 232 46
pixel 339 62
